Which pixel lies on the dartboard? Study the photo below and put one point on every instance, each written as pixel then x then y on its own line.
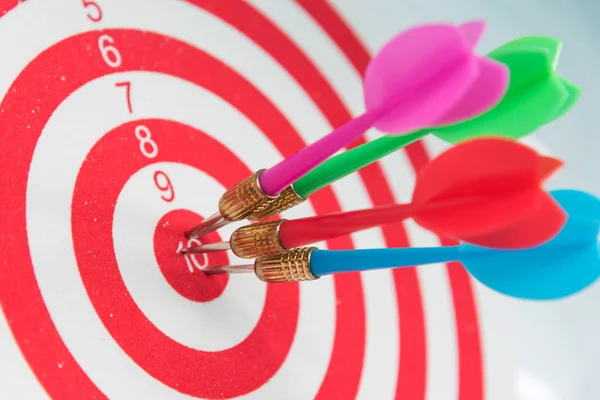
pixel 121 124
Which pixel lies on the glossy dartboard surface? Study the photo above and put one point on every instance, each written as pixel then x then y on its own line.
pixel 122 123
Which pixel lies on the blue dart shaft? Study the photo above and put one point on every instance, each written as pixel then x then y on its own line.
pixel 323 262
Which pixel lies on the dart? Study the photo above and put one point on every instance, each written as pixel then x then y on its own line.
pixel 469 191
pixel 564 265
pixel 536 96
pixel 426 76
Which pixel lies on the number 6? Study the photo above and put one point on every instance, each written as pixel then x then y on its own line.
pixel 110 54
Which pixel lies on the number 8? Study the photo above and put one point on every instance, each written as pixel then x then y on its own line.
pixel 146 139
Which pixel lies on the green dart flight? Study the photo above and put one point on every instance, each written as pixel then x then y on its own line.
pixel 535 96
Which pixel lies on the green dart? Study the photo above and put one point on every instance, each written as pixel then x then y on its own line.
pixel 536 95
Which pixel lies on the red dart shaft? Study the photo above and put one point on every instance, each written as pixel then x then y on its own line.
pixel 304 231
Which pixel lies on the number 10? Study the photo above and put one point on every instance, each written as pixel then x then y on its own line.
pixel 191 259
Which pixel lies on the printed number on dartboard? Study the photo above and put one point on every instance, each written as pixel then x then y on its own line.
pixel 112 57
pixel 147 146
pixel 192 259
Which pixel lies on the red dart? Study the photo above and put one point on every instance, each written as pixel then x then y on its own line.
pixel 477 188
pixel 484 191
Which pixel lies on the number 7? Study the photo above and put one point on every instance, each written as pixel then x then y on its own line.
pixel 127 85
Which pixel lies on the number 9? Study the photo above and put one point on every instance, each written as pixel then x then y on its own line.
pixel 165 187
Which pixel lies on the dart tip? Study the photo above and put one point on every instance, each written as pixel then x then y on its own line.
pixel 206 248
pixel 210 224
pixel 549 165
pixel 229 269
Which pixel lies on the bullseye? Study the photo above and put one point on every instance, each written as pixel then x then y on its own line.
pixel 183 273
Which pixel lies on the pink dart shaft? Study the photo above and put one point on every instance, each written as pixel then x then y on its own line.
pixel 413 112
pixel 286 172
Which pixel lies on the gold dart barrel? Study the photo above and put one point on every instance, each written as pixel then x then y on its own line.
pixel 242 199
pixel 257 240
pixel 287 199
pixel 236 204
pixel 293 266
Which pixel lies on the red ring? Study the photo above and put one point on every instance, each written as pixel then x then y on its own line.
pixel 177 59
pixel 205 374
pixel 7 5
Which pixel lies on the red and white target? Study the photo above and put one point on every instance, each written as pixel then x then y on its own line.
pixel 121 124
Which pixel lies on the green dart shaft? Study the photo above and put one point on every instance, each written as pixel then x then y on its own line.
pixel 352 160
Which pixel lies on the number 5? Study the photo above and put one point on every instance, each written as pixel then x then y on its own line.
pixel 94 17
